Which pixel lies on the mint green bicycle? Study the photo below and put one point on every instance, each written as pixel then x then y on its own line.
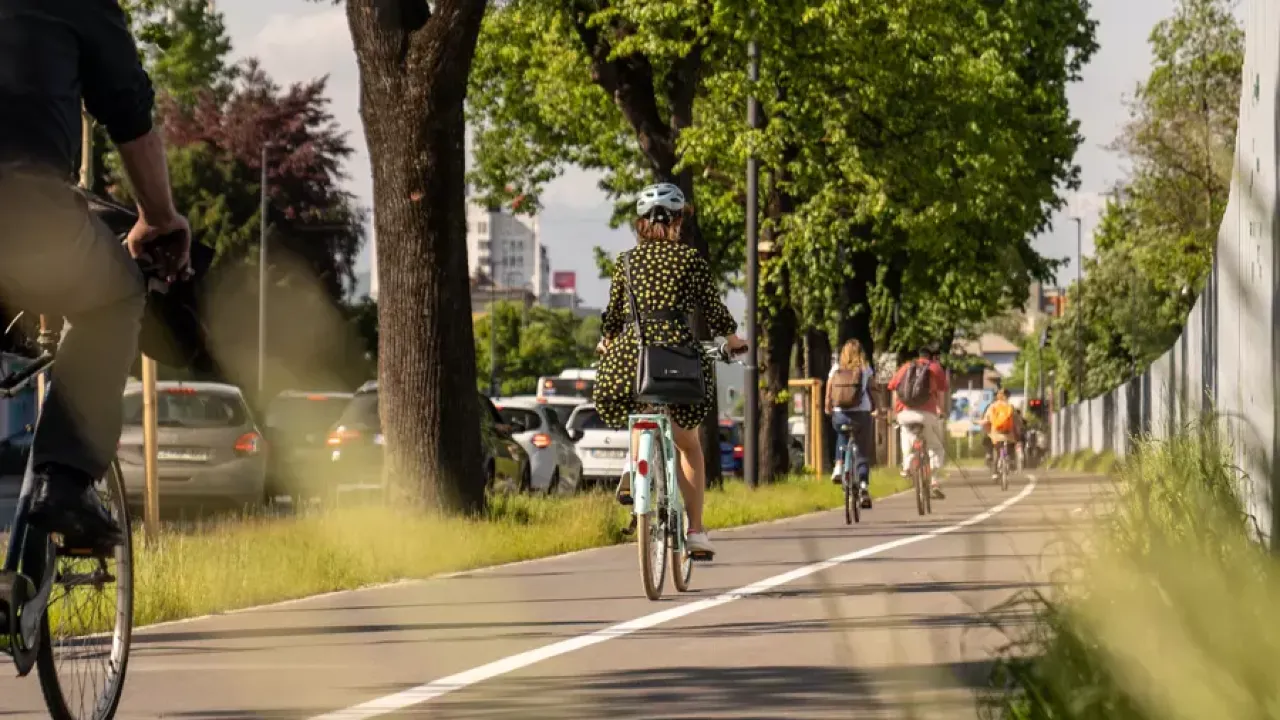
pixel 662 526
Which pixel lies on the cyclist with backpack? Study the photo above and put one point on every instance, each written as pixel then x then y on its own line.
pixel 919 392
pixel 849 404
pixel 1002 424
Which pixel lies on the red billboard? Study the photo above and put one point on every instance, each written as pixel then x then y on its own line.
pixel 562 280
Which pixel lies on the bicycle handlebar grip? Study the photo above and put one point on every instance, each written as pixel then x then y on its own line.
pixel 729 356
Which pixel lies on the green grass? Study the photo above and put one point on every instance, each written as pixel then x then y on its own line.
pixel 1166 609
pixel 241 562
pixel 1088 461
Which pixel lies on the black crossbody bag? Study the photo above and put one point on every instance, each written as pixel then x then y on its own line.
pixel 665 375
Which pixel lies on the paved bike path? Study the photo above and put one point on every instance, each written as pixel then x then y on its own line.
pixel 902 628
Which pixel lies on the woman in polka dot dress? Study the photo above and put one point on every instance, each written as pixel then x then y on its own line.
pixel 671 280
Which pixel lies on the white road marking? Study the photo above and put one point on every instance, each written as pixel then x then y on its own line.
pixel 437 688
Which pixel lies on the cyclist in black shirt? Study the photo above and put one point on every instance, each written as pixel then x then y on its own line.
pixel 56 258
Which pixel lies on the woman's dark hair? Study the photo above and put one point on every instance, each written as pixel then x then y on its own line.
pixel 658 231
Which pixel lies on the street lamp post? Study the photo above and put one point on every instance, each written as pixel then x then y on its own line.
pixel 493 322
pixel 751 435
pixel 262 280
pixel 1080 312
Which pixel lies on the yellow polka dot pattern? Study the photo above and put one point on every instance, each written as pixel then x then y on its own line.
pixel 668 276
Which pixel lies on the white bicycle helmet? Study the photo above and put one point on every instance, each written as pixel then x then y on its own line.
pixel 662 196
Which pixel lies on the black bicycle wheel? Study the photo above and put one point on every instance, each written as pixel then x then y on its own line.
pixel 88 627
pixel 681 561
pixel 922 492
pixel 848 502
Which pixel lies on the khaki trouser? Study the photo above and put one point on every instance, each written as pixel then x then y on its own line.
pixel 932 431
pixel 60 260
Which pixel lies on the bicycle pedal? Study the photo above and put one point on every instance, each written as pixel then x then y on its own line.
pixel 701 556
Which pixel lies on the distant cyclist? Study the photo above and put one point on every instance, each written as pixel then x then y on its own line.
pixel 1001 423
pixel 61 260
pixel 919 392
pixel 672 281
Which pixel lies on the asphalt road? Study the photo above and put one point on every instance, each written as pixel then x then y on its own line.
pixel 898 623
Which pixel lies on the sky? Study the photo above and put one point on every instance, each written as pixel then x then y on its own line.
pixel 299 40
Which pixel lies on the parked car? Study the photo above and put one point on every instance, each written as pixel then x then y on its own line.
pixel 553 459
pixel 603 449
pixel 209 451
pixel 731 446
pixel 296 427
pixel 563 407
pixel 356 444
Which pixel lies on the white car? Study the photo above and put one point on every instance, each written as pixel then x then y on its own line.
pixel 554 466
pixel 563 406
pixel 603 449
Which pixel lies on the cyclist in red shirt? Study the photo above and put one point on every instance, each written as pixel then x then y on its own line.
pixel 919 394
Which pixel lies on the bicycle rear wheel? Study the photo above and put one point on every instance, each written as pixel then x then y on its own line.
pixel 922 492
pixel 1004 473
pixel 681 562
pixel 88 626
pixel 849 507
pixel 651 529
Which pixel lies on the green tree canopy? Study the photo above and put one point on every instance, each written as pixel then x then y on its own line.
pixel 1155 241
pixel 533 343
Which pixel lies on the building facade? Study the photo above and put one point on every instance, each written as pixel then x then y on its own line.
pixel 506 247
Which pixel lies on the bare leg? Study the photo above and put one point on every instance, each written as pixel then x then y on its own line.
pixel 692 474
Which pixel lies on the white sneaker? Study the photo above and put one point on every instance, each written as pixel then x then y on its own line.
pixel 701 544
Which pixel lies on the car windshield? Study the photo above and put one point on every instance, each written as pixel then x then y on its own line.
pixel 305 414
pixel 361 411
pixel 728 435
pixel 559 412
pixel 587 419
pixel 520 419
pixel 187 407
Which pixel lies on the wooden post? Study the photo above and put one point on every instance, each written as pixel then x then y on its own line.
pixel 151 516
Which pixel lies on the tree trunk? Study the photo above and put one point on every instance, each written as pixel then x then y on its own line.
pixel 775 365
pixel 855 294
pixel 817 365
pixel 414 62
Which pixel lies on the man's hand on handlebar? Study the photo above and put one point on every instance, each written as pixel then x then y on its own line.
pixel 162 247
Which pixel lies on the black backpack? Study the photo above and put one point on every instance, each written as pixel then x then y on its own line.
pixel 915 390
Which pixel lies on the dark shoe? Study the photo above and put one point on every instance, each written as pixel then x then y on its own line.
pixel 938 494
pixel 71 508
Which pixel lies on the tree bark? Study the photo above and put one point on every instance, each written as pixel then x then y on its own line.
pixel 414 62
pixel 855 295
pixel 775 365
pixel 817 365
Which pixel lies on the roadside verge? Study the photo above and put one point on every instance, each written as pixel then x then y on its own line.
pixel 250 561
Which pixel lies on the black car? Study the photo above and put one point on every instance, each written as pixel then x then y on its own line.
pixel 296 428
pixel 356 444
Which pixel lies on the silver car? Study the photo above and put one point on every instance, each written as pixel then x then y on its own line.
pixel 209 450
pixel 603 449
pixel 554 463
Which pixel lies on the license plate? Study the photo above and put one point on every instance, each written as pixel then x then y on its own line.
pixel 183 455
pixel 609 454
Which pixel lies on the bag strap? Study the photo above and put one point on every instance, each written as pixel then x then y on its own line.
pixel 631 298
